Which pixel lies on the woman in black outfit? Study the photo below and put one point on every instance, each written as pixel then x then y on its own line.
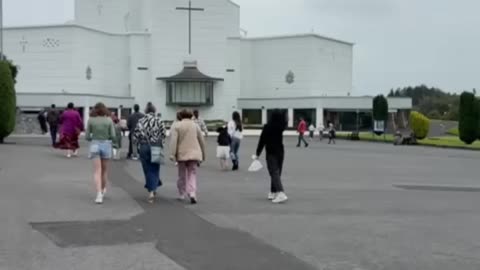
pixel 272 140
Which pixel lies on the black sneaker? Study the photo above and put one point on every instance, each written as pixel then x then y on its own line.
pixel 193 200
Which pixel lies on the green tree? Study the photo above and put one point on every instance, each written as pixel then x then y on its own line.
pixel 478 111
pixel 434 115
pixel 427 100
pixel 469 118
pixel 7 101
pixel 380 108
pixel 391 93
pixel 419 124
pixel 13 67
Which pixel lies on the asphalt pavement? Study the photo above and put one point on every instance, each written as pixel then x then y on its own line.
pixel 352 206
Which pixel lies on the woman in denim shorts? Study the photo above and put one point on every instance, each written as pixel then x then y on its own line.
pixel 100 133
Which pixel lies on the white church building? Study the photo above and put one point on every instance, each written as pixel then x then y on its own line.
pixel 181 53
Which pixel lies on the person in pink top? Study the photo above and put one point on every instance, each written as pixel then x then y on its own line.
pixel 71 127
pixel 301 129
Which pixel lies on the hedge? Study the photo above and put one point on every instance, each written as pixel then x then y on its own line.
pixel 7 101
pixel 419 124
pixel 469 118
pixel 380 108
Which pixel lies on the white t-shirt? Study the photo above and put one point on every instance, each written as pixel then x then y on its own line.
pixel 232 130
pixel 311 128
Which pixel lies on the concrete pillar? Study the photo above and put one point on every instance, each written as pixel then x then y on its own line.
pixel 290 117
pixel 320 120
pixel 119 113
pixel 264 116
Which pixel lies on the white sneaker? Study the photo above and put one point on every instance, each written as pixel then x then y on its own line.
pixel 75 153
pixel 104 191
pixel 271 196
pixel 280 198
pixel 99 199
pixel 134 158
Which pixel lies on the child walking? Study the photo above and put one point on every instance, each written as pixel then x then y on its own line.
pixel 223 149
pixel 117 142
pixel 311 130
pixel 331 134
pixel 321 129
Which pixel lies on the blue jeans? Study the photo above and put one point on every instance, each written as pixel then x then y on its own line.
pixel 150 170
pixel 234 147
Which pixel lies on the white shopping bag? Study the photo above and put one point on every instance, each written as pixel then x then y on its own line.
pixel 255 166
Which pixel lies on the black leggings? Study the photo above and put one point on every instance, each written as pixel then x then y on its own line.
pixel 275 167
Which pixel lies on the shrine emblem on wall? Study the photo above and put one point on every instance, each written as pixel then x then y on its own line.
pixel 89 73
pixel 290 77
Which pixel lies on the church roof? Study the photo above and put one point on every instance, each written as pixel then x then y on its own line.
pixel 233 3
pixel 314 35
pixel 190 74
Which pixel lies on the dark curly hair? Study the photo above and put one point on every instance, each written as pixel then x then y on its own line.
pixel 186 114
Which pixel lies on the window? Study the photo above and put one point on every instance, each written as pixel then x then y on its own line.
pixel 284 111
pixel 309 115
pixel 252 116
pixel 190 93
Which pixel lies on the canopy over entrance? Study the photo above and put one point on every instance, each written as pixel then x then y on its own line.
pixel 190 87
pixel 190 73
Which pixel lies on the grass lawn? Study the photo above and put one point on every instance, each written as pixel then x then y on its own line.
pixel 368 136
pixel 443 141
pixel 449 141
pixel 453 131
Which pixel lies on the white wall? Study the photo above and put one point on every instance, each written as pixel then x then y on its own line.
pixel 46 65
pixel 210 30
pixel 111 18
pixel 321 67
pixel 333 71
pixel 39 100
pixel 141 81
pixel 56 60
pixel 107 56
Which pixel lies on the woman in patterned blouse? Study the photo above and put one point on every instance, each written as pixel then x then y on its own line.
pixel 150 131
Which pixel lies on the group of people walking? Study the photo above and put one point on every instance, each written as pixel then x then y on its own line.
pixel 147 141
pixel 302 129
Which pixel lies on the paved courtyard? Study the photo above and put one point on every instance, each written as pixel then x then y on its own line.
pixel 354 206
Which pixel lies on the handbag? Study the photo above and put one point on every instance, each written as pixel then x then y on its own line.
pixel 157 155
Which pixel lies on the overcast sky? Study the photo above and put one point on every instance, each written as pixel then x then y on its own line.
pixel 398 42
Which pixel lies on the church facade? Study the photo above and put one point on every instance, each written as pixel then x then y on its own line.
pixel 180 54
